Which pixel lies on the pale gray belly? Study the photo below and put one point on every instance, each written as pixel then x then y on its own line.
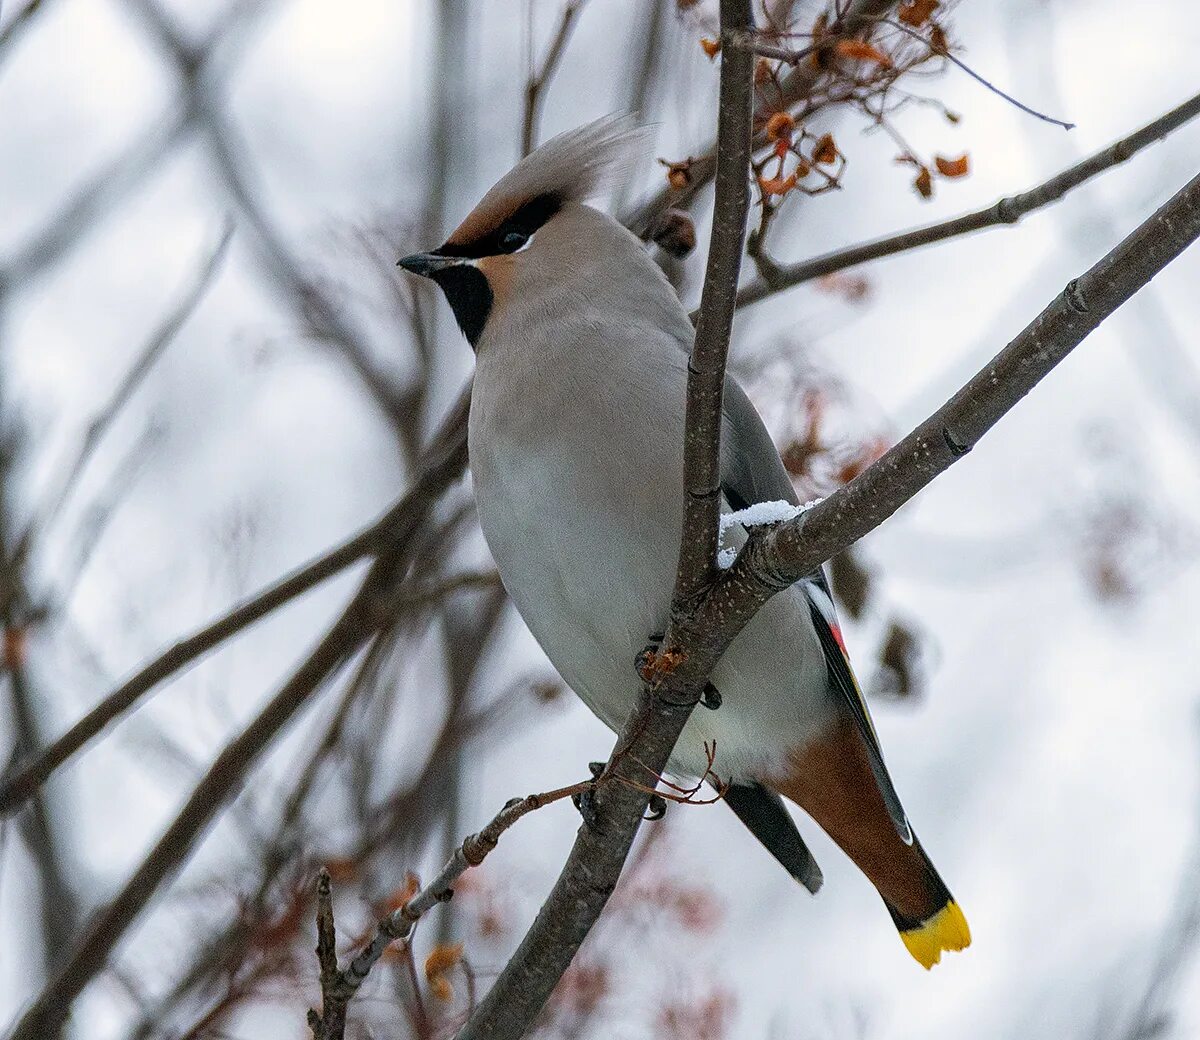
pixel 583 519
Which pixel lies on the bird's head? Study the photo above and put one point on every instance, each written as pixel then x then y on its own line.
pixel 505 234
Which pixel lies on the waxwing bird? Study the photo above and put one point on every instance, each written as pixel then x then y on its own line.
pixel 576 447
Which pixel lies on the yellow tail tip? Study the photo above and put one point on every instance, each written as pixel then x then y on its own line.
pixel 945 930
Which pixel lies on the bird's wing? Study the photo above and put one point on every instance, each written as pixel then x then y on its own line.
pixel 753 472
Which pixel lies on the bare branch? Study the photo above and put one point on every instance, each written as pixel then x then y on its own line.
pixel 538 81
pixel 1008 210
pixel 93 200
pixel 773 560
pixel 338 987
pixel 944 53
pixel 444 463
pixel 154 349
pixel 437 591
pixel 706 372
pixel 101 192
pixel 20 23
pixel 321 314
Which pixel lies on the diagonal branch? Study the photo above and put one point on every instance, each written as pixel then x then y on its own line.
pixel 1008 210
pixel 328 321
pixel 146 359
pixel 368 611
pixel 339 986
pixel 794 548
pixel 444 462
pixel 18 25
pixel 101 192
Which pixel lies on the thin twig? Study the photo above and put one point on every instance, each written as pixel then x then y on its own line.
pixel 944 53
pixel 328 322
pixel 338 987
pixel 102 191
pixel 1008 210
pixel 535 88
pixel 149 355
pixel 800 84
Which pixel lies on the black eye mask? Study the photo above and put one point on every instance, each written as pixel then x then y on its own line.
pixel 511 235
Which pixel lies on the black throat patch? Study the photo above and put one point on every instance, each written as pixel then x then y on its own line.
pixel 470 297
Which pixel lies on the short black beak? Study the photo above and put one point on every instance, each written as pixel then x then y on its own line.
pixel 427 264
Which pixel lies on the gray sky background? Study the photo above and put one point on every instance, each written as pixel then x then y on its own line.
pixel 1050 767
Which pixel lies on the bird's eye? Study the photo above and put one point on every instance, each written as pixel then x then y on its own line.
pixel 511 241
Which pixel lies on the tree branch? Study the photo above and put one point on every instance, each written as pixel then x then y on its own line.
pixel 444 462
pixel 797 86
pixel 18 25
pixel 1008 210
pixel 102 191
pixel 338 987
pixel 368 610
pixel 793 549
pixel 706 370
pixel 149 355
pixel 650 733
pixel 535 87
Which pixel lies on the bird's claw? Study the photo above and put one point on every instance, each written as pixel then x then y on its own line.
pixel 711 697
pixel 585 801
pixel 645 658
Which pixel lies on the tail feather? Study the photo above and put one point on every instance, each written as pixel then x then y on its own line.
pixel 831 780
pixel 764 813
pixel 940 926
pixel 945 930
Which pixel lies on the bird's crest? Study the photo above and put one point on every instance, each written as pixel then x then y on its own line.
pixel 572 167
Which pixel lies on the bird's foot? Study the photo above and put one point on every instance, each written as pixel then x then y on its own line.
pixel 585 801
pixel 711 697
pixel 654 663
pixel 643 664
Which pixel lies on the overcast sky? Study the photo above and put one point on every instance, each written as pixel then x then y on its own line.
pixel 1050 765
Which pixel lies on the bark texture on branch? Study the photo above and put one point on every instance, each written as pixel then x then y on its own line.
pixel 710 350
